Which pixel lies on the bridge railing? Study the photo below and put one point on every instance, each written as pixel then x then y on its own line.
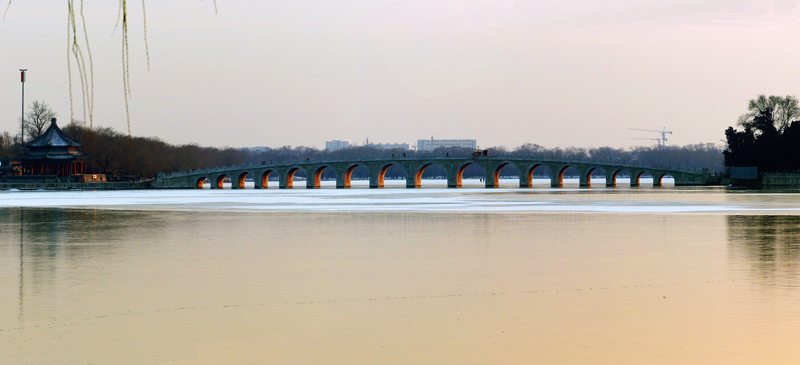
pixel 415 157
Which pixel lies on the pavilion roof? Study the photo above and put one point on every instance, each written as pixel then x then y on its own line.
pixel 53 137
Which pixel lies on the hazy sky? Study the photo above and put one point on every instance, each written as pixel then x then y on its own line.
pixel 274 73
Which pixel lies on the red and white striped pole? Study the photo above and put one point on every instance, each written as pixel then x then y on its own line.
pixel 22 120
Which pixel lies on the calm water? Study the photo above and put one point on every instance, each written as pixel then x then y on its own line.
pixel 395 276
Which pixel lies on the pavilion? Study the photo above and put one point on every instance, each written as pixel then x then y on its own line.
pixel 52 153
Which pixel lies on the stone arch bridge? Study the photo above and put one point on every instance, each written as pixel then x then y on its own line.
pixel 414 166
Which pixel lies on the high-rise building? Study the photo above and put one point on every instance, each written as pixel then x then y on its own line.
pixel 336 145
pixel 428 145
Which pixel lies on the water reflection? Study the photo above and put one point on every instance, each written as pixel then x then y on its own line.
pixel 51 246
pixel 69 232
pixel 210 285
pixel 767 245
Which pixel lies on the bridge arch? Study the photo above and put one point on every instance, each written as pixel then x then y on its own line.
pixel 200 182
pixel 612 177
pixel 345 180
pixel 495 183
pixel 526 180
pixel 565 170
pixel 640 175
pixel 264 179
pixel 219 181
pixel 381 173
pixel 288 177
pixel 659 179
pixel 592 170
pixel 559 180
pixel 459 176
pixel 314 181
pixel 421 169
pixel 238 183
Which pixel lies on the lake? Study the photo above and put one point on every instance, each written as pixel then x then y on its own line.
pixel 701 275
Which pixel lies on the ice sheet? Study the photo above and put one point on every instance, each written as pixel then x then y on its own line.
pixel 472 198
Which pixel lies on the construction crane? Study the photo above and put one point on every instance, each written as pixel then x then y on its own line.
pixel 663 140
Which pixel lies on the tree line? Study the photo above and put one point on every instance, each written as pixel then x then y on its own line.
pixel 769 138
pixel 118 155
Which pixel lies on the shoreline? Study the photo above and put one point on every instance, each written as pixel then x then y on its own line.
pixel 77 186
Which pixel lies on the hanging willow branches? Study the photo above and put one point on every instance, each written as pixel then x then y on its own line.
pixel 126 76
pixel 76 36
pixel 85 70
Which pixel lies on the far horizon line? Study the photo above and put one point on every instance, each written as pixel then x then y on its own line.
pixel 83 125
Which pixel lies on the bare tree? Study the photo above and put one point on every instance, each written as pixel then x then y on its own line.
pixel 38 119
pixel 7 144
pixel 773 111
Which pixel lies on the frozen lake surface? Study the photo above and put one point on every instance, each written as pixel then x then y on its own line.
pixel 432 197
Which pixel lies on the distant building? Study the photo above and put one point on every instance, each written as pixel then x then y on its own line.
pixel 427 145
pixel 336 145
pixel 391 146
